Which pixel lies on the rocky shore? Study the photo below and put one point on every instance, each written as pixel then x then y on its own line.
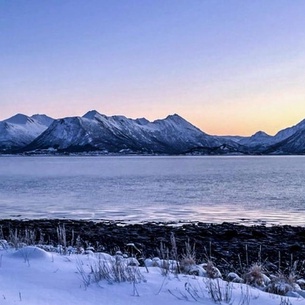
pixel 231 247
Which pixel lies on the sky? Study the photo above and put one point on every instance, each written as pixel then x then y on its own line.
pixel 230 67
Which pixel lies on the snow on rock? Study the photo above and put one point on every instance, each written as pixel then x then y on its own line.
pixel 234 277
pixel 3 244
pixel 30 253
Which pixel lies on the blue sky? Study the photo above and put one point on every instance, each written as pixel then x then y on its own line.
pixel 229 67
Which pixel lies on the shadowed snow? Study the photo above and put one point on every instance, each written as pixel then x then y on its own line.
pixel 31 252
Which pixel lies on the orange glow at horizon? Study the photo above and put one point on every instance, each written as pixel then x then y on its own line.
pixel 228 119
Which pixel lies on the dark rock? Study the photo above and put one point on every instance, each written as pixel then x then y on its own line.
pixel 295 248
pixel 258 234
pixel 229 234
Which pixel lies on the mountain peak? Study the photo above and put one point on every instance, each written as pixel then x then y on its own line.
pixel 175 116
pixel 142 121
pixel 176 119
pixel 43 119
pixel 19 118
pixel 180 121
pixel 260 134
pixel 91 114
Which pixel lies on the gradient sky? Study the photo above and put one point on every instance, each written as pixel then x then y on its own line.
pixel 228 67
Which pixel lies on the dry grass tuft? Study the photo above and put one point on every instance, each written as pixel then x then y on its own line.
pixel 255 276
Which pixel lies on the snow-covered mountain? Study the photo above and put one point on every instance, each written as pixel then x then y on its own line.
pixel 295 144
pixel 258 139
pixel 20 130
pixel 288 132
pixel 290 140
pixel 118 134
pixel 95 131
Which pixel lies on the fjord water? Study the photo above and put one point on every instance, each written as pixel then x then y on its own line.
pixel 252 189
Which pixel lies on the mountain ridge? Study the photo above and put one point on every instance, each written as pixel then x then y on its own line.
pixel 96 132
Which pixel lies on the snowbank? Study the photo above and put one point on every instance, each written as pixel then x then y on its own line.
pixel 32 276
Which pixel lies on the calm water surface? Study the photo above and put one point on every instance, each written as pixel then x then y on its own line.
pixel 209 189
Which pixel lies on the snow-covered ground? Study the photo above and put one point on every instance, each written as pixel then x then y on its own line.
pixel 33 276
